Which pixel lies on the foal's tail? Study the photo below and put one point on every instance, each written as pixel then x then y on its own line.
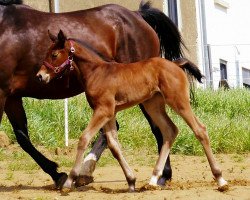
pixel 191 68
pixel 169 36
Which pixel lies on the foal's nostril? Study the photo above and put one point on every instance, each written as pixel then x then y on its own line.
pixel 40 78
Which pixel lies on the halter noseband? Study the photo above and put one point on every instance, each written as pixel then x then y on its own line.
pixel 67 62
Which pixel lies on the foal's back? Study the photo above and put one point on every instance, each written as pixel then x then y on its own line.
pixel 146 73
pixel 134 83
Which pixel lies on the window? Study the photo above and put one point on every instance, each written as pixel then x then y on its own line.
pixel 246 77
pixel 223 70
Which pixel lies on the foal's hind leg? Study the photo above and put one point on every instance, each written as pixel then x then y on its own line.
pixel 156 109
pixel 113 144
pixel 182 106
pixel 167 171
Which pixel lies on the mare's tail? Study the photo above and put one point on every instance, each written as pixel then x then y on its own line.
pixel 169 36
pixel 10 2
pixel 191 68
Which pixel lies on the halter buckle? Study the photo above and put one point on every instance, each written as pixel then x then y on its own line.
pixel 72 49
pixel 57 70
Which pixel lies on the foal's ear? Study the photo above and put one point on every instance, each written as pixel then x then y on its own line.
pixel 61 36
pixel 52 37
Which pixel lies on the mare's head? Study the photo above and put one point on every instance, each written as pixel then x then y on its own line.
pixel 58 59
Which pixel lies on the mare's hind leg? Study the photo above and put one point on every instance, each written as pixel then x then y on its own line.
pixel 100 117
pixel 182 106
pixel 113 144
pixel 156 109
pixel 89 162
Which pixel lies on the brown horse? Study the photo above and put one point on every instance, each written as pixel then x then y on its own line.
pixel 111 87
pixel 112 31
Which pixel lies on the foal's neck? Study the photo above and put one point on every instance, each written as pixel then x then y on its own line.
pixel 84 53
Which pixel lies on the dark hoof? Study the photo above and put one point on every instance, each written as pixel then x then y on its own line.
pixel 167 174
pixel 83 180
pixel 60 182
pixel 162 181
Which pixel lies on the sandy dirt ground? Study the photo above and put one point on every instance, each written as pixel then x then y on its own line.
pixel 192 179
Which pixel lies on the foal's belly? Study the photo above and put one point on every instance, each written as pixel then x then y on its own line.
pixel 133 98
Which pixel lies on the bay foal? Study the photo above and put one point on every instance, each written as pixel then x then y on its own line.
pixel 111 87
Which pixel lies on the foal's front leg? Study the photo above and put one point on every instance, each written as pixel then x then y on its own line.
pixel 113 144
pixel 98 120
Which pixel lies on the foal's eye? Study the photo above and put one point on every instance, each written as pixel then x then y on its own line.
pixel 55 54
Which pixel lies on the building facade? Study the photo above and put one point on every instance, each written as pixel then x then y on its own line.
pixel 225 41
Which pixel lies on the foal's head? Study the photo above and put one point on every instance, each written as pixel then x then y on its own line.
pixel 58 58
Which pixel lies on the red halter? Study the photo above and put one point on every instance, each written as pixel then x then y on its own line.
pixel 66 63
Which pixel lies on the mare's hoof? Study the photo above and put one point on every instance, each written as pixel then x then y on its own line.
pixel 83 180
pixel 162 181
pixel 223 188
pixel 60 182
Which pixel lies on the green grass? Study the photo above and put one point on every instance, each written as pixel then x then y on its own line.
pixel 226 114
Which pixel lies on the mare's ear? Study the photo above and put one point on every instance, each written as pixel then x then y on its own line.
pixel 52 37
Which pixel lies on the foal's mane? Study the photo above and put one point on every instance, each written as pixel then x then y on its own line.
pixel 89 48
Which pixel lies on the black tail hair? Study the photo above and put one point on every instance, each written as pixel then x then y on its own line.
pixel 170 39
pixel 10 2
pixel 192 71
pixel 191 68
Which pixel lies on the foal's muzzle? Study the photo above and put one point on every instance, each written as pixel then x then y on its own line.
pixel 43 77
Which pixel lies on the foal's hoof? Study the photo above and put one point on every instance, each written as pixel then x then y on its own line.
pixel 83 180
pixel 150 187
pixel 223 188
pixel 65 191
pixel 60 182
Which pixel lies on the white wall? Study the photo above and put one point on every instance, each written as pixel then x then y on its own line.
pixel 228 34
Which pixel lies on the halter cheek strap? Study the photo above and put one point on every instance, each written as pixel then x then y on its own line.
pixel 66 63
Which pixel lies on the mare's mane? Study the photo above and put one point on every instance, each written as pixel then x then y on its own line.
pixel 10 2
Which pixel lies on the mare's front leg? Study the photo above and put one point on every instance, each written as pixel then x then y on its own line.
pixel 89 162
pixel 100 117
pixel 113 144
pixel 17 117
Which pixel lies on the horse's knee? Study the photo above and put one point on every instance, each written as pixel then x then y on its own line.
pixel 83 142
pixel 172 134
pixel 175 131
pixel 113 146
pixel 201 134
